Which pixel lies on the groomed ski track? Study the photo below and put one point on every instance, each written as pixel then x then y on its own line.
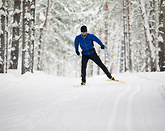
pixel 38 102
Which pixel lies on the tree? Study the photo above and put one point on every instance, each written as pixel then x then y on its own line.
pixel 40 47
pixel 28 35
pixel 125 41
pixel 3 35
pixel 106 28
pixel 150 50
pixel 16 35
pixel 162 36
pixel 32 38
pixel 153 23
pixel 126 45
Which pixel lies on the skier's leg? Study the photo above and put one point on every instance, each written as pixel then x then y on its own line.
pixel 83 67
pixel 98 61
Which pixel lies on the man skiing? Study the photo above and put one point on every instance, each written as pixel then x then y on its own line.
pixel 85 40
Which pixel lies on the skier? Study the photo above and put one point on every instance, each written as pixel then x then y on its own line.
pixel 85 40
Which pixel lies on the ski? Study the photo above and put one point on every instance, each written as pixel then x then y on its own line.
pixel 79 85
pixel 116 81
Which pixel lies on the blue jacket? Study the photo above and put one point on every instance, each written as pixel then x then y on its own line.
pixel 86 43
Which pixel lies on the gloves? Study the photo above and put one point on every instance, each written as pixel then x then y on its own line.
pixel 78 53
pixel 102 46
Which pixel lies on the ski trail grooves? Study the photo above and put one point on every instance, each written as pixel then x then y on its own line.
pixel 115 109
pixel 129 113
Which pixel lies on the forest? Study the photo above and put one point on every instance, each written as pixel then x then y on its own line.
pixel 38 35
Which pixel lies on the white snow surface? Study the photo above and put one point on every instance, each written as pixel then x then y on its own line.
pixel 39 102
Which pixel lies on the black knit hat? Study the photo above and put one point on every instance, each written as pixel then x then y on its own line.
pixel 83 28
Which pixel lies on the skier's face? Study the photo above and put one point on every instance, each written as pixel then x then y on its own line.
pixel 84 33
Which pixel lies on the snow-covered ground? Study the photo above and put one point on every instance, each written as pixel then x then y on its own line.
pixel 39 102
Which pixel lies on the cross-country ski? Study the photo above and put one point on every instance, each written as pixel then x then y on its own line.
pixel 116 81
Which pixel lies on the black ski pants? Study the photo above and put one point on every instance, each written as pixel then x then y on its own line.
pixel 94 57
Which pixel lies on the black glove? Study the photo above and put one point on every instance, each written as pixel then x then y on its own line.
pixel 102 46
pixel 78 53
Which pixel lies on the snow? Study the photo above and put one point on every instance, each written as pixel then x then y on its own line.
pixel 40 102
pixel 160 39
pixel 1 31
pixel 28 16
pixel 17 11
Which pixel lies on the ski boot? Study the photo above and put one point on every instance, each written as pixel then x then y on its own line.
pixel 112 78
pixel 82 83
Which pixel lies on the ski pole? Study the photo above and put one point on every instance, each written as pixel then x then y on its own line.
pixel 108 54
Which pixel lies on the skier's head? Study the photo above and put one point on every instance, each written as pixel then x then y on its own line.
pixel 83 28
pixel 83 31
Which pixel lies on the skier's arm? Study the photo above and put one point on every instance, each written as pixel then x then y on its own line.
pixel 97 40
pixel 76 43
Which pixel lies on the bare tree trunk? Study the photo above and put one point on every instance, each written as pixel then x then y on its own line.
pixel 6 32
pixel 40 52
pixel 106 28
pixel 151 49
pixel 28 36
pixel 24 34
pixel 32 29
pixel 122 47
pixel 90 68
pixel 162 36
pixel 125 41
pixel 98 68
pixel 3 36
pixel 156 18
pixel 154 31
pixel 122 57
pixel 15 38
pixel 126 30
pixel 129 38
